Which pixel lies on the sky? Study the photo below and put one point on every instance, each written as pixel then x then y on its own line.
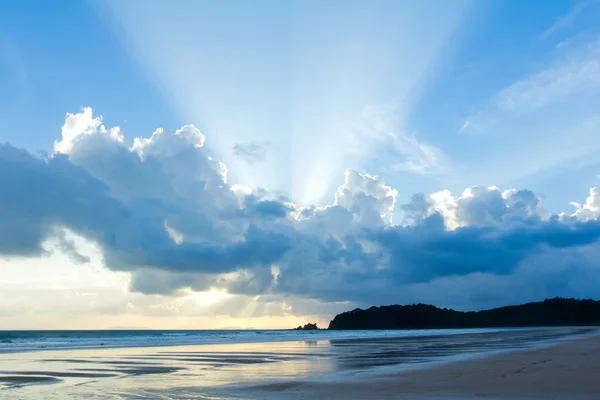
pixel 203 165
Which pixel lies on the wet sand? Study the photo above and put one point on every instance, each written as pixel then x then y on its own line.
pixel 566 371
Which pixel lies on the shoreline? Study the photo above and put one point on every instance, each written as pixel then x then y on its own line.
pixel 565 370
pixel 299 335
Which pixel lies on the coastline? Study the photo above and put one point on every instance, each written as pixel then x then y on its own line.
pixel 563 371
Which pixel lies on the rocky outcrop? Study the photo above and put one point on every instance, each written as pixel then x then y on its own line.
pixel 307 327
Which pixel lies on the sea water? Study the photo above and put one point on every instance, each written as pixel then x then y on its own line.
pixel 18 341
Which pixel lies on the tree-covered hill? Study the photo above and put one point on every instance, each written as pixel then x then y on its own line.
pixel 551 312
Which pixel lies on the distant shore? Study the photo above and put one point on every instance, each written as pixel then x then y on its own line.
pixel 565 371
pixel 550 312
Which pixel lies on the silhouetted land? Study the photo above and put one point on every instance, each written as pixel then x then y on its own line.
pixel 551 312
pixel 307 327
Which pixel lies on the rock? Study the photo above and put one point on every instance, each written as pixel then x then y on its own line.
pixel 307 327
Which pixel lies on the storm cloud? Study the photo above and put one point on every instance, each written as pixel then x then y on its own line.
pixel 163 210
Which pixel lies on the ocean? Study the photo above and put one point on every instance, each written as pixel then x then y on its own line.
pixel 169 365
pixel 18 341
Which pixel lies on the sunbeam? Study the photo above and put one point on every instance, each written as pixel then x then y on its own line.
pixel 294 79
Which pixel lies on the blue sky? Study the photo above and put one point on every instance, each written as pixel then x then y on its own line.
pixel 418 101
pixel 71 58
pixel 265 70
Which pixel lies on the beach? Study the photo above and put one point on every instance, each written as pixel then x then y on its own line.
pixel 539 363
pixel 568 371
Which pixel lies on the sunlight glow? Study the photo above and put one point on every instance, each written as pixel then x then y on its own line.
pixel 337 64
pixel 210 297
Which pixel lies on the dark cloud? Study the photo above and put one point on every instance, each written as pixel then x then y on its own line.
pixel 423 255
pixel 416 209
pixel 40 195
pixel 251 152
pixel 67 246
pixel 164 211
pixel 266 208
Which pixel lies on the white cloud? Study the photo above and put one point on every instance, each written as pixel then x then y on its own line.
pixel 83 123
pixel 472 124
pixel 167 144
pixel 481 206
pixel 369 199
pixel 566 21
pixel 571 77
pixel 379 133
pixel 590 210
pixel 575 75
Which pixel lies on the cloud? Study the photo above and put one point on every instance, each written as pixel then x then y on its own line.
pixel 251 152
pixel 67 246
pixel 571 79
pixel 590 210
pixel 378 132
pixel 472 124
pixel 123 198
pixel 481 206
pixel 566 21
pixel 78 125
pixel 163 211
pixel 576 75
pixel 369 199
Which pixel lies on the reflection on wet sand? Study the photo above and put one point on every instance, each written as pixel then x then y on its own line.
pixel 166 372
pixel 13 381
pixel 364 353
